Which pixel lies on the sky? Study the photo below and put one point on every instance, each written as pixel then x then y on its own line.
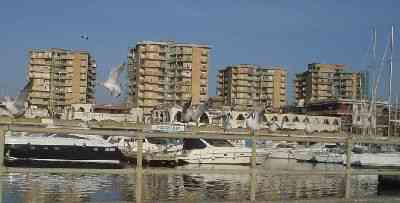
pixel 264 32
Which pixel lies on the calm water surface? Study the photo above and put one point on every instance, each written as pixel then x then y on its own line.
pixel 55 187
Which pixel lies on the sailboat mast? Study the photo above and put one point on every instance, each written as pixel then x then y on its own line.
pixel 390 76
pixel 374 73
pixel 396 115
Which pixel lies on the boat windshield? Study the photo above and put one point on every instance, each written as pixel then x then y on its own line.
pixel 285 145
pixel 331 146
pixel 189 144
pixel 38 134
pixel 159 141
pixel 62 135
pixel 218 143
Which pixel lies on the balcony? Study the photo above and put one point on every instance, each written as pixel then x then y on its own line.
pixel 153 89
pixel 38 102
pixel 151 73
pixel 155 57
pixel 152 96
pixel 184 59
pixel 184 52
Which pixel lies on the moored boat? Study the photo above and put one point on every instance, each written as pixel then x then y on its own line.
pixel 282 150
pixel 59 148
pixel 215 151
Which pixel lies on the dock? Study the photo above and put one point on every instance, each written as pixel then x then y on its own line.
pixel 140 133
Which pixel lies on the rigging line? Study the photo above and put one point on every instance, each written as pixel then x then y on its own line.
pixel 370 52
pixel 378 77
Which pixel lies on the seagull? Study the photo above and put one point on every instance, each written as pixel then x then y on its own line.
pixel 172 113
pixel 16 107
pixel 227 120
pixel 112 84
pixel 193 114
pixel 254 119
pixel 85 37
pixel 4 112
pixel 274 126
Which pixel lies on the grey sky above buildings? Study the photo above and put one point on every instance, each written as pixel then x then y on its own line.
pixel 287 33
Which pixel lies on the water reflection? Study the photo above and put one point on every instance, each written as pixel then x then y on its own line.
pixel 53 187
pixel 21 187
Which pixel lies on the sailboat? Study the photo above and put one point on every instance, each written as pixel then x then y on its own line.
pixel 386 159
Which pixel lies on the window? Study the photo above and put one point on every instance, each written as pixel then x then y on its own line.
pixel 189 144
pixel 159 141
pixel 218 143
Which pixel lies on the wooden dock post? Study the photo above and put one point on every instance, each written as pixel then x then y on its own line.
pixel 253 181
pixel 139 168
pixel 348 167
pixel 2 146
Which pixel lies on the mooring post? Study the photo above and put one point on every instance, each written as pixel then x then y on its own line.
pixel 2 146
pixel 348 167
pixel 253 181
pixel 139 168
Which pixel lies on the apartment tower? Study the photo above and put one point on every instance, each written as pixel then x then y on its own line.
pixel 243 86
pixel 329 81
pixel 61 77
pixel 167 72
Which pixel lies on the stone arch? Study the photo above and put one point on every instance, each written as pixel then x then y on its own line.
pixel 306 120
pixel 161 116
pixel 264 118
pixel 336 122
pixel 326 121
pixel 178 116
pixel 274 118
pixel 240 117
pixel 316 121
pixel 285 119
pixel 81 109
pixel 204 118
pixel 296 119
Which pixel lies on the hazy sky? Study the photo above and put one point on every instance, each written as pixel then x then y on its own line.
pixel 265 32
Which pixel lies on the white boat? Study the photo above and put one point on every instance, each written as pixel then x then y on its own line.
pixel 282 150
pixel 168 128
pixel 321 153
pixel 150 145
pixel 59 148
pixel 262 146
pixel 215 151
pixel 376 160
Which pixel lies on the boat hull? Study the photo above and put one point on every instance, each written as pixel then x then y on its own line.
pixel 223 158
pixel 19 153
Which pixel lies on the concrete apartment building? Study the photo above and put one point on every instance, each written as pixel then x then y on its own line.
pixel 60 78
pixel 242 86
pixel 167 72
pixel 329 81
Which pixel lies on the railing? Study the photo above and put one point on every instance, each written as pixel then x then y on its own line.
pixel 139 133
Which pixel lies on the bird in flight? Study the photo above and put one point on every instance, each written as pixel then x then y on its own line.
pixel 254 119
pixel 85 37
pixel 172 112
pixel 227 119
pixel 193 114
pixel 112 84
pixel 16 107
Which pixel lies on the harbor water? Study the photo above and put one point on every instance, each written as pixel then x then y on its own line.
pixel 80 187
